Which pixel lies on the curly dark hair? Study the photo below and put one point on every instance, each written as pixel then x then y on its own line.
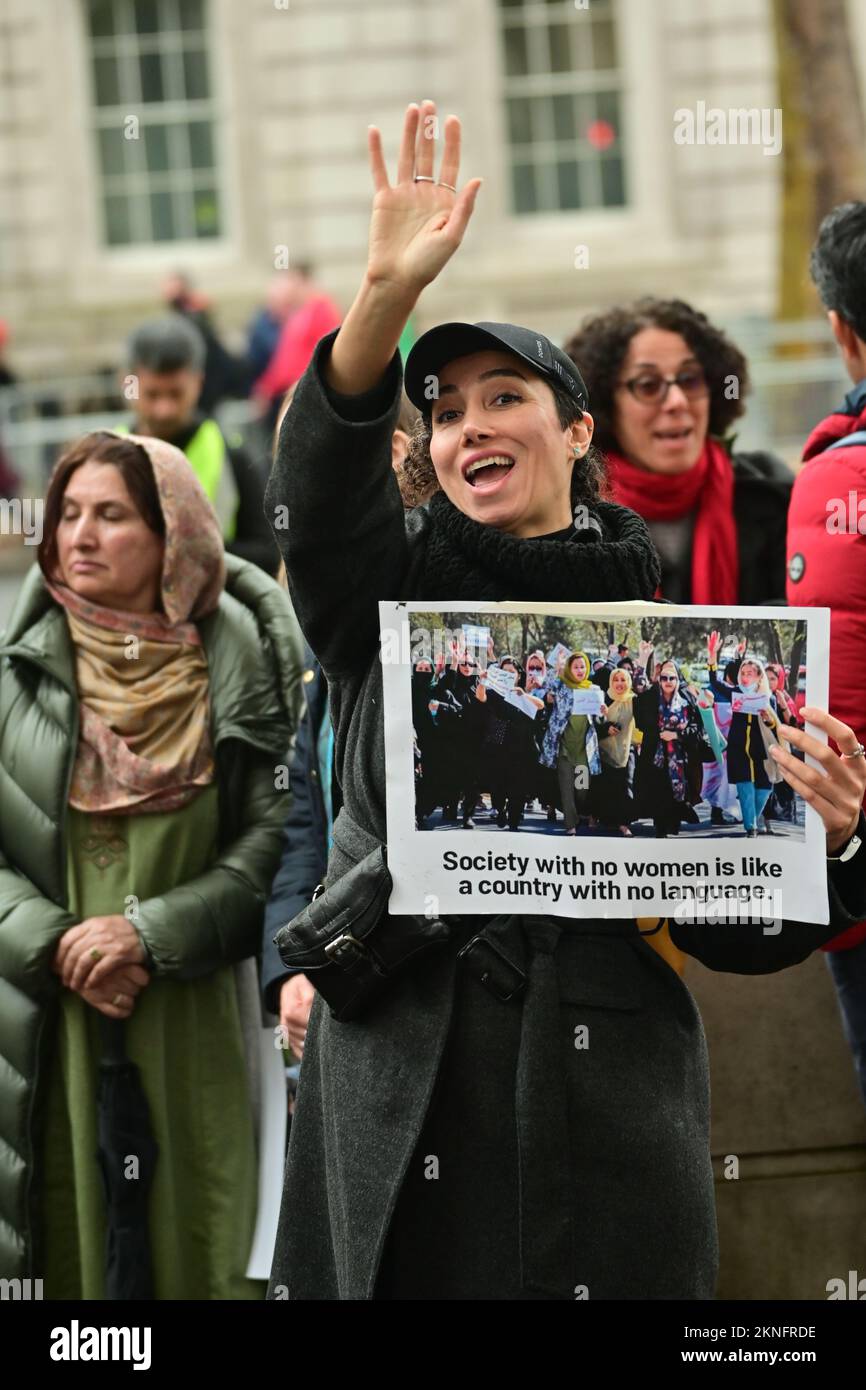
pixel 588 478
pixel 600 346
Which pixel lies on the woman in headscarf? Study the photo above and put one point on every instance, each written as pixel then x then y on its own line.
pixel 459 744
pixel 751 769
pixel 571 743
pixel 612 800
pixel 507 754
pixel 148 691
pixel 550 1173
pixel 673 750
pixel 666 387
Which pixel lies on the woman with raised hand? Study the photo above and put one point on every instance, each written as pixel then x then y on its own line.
pixel 553 1168
pixel 147 694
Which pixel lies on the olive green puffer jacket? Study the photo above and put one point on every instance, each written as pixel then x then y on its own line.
pixel 254 659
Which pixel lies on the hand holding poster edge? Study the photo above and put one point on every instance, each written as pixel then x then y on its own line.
pixel 837 792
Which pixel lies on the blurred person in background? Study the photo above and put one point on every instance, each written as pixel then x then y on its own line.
pixel 666 387
pixel 166 356
pixel 9 480
pixel 267 323
pixel 224 376
pixel 826 557
pixel 310 315
pixel 140 826
pixel 7 376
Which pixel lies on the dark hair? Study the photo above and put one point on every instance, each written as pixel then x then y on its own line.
pixel 600 346
pixel 588 477
pixel 838 264
pixel 100 447
pixel 169 344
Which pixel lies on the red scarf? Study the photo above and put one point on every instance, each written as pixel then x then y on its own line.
pixel 709 487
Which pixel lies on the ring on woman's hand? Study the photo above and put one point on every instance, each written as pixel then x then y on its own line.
pixel 117 1000
pixel 442 184
pixel 859 752
pixel 95 954
pixel 423 178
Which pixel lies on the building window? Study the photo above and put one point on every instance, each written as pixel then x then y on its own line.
pixel 154 120
pixel 562 92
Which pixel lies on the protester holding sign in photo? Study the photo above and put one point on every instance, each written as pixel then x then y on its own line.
pixel 673 751
pixel 554 1168
pixel 613 803
pixel 571 742
pixel 507 755
pixel 753 724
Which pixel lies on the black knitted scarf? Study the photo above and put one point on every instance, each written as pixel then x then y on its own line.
pixel 611 558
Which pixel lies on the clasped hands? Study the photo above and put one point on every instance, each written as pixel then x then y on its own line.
pixel 102 959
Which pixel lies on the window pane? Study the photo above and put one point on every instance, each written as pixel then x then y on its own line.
pixel 604 44
pixel 101 18
pixel 156 148
pixel 516 59
pixel 105 80
pixel 607 108
pixel 147 16
pixel 117 223
pixel 568 184
pixel 163 217
pixel 111 143
pixel 520 121
pixel 206 212
pixel 560 48
pixel 201 145
pixel 612 182
pixel 191 16
pixel 545 185
pixel 564 124
pixel 195 73
pixel 523 187
pixel 151 77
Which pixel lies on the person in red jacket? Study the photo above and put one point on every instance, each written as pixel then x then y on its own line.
pixel 825 551
pixel 311 315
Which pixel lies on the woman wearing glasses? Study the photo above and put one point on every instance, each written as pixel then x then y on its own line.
pixel 666 386
pixel 672 752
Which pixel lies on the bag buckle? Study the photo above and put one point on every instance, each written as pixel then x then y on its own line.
pixel 346 951
pixel 489 972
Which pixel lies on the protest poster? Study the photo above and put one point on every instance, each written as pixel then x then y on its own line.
pixel 588 701
pixel 555 653
pixel 475 637
pixel 749 704
pixel 523 840
pixel 503 682
pixel 525 703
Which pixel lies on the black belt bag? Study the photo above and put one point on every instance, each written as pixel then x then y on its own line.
pixel 348 943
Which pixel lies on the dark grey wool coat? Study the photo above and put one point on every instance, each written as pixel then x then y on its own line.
pixel 562 1171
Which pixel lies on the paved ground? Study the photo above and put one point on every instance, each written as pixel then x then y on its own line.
pixel 537 822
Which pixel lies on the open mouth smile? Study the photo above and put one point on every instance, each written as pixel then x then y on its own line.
pixel 487 472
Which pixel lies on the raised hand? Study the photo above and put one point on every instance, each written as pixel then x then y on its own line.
pixel 419 221
pixel 714 641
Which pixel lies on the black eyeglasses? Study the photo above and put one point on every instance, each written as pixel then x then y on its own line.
pixel 668 678
pixel 651 388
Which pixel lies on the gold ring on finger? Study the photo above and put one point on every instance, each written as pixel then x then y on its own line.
pixel 443 184
pixel 95 954
pixel 117 1000
pixel 423 178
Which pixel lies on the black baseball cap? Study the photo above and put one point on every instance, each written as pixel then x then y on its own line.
pixel 441 345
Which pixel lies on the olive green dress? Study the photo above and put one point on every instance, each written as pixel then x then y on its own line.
pixel 185 1037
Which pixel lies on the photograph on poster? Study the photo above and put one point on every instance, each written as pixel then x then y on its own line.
pixel 586 739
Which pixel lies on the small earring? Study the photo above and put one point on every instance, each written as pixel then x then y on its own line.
pixel 577 450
